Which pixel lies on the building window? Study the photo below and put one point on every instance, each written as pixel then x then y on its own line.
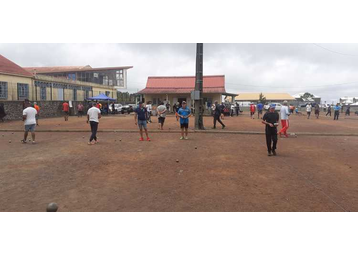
pixel 105 80
pixel 107 93
pixel 75 95
pixel 43 93
pixel 87 93
pixel 22 91
pixel 60 94
pixel 3 90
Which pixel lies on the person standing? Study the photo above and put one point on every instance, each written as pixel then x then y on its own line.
pixel 2 112
pixel 218 113
pixel 237 108
pixel 66 110
pixel 167 106
pixel 80 109
pixel 162 110
pixel 316 110
pixel 308 110
pixel 329 110
pixel 252 110
pixel 284 112
pixel 260 106
pixel 37 108
pixel 184 113
pixel 232 111
pixel 93 116
pixel 270 119
pixel 149 112
pixel 113 108
pixel 29 118
pixel 140 119
pixel 337 108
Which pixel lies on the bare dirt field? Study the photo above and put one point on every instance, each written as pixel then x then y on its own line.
pixel 215 172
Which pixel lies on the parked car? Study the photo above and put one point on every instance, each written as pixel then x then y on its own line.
pixel 117 107
pixel 127 109
pixel 277 106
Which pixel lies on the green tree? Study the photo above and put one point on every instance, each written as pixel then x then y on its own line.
pixel 307 95
pixel 262 98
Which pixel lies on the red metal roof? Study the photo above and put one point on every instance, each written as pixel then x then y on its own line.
pixel 183 84
pixel 63 69
pixel 9 67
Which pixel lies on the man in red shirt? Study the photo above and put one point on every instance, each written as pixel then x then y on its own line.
pixel 252 110
pixel 66 110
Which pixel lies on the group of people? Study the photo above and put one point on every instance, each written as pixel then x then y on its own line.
pixel 336 109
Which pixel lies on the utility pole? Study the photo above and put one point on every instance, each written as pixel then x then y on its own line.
pixel 198 93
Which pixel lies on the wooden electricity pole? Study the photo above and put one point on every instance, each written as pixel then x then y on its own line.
pixel 198 93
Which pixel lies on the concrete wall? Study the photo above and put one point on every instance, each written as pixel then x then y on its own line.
pixel 48 109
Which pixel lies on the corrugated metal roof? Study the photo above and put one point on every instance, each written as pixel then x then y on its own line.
pixel 62 69
pixel 269 96
pixel 9 67
pixel 183 84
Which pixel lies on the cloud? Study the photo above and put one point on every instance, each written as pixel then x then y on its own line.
pixel 290 68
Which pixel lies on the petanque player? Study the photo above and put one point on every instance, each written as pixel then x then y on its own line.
pixel 252 110
pixel 29 118
pixel 270 119
pixel 66 110
pixel 308 110
pixel 337 108
pixel 38 113
pixel 162 110
pixel 284 112
pixel 93 116
pixel 218 113
pixel 260 106
pixel 184 113
pixel 140 119
pixel 329 110
pixel 316 110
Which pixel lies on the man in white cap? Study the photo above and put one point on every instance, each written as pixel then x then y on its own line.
pixel 284 112
pixel 270 119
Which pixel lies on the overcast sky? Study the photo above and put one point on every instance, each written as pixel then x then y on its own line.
pixel 330 72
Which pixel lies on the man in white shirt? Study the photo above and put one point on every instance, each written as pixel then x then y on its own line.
pixel 162 110
pixel 29 118
pixel 308 110
pixel 149 112
pixel 93 116
pixel 284 112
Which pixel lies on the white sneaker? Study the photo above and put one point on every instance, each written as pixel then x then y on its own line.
pixel 181 138
pixel 186 138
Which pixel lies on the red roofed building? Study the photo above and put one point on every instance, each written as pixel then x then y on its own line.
pixel 175 89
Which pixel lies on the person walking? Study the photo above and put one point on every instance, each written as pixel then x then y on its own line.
pixel 218 113
pixel 93 116
pixel 308 110
pixel 336 109
pixel 29 118
pixel 270 119
pixel 2 112
pixel 316 110
pixel 260 106
pixel 252 110
pixel 348 111
pixel 237 108
pixel 66 110
pixel 37 108
pixel 329 110
pixel 284 112
pixel 161 110
pixel 80 109
pixel 184 113
pixel 140 119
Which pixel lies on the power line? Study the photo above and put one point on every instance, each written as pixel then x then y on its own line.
pixel 336 52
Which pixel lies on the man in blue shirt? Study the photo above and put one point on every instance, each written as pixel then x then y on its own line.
pixel 140 119
pixel 184 113
pixel 337 108
pixel 260 106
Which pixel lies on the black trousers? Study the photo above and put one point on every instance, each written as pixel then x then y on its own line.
pixel 271 141
pixel 94 128
pixel 329 112
pixel 217 118
pixel 237 111
pixel 336 115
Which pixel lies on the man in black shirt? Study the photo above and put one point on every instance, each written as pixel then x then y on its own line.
pixel 270 119
pixel 218 112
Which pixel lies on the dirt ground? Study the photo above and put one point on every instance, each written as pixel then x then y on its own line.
pixel 215 172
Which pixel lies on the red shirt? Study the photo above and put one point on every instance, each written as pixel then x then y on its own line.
pixel 252 108
pixel 65 107
pixel 37 108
